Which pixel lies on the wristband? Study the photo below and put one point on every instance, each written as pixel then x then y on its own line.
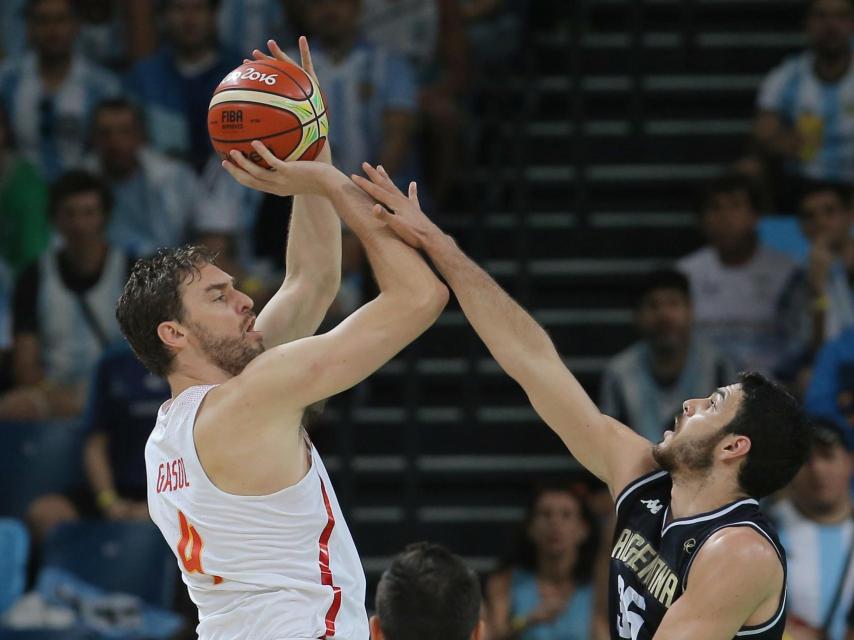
pixel 106 499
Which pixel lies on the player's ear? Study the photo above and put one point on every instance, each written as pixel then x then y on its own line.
pixel 736 446
pixel 376 630
pixel 171 334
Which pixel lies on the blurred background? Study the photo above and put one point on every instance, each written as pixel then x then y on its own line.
pixel 665 184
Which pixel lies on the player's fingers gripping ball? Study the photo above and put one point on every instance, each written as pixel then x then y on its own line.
pixel 273 101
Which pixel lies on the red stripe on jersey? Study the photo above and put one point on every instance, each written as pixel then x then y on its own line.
pixel 325 571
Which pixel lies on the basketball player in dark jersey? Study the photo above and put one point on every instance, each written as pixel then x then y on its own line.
pixel 693 556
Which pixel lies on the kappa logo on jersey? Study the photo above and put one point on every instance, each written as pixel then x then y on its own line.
pixel 653 571
pixel 654 506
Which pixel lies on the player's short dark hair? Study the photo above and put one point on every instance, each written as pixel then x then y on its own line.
pixel 780 435
pixel 78 181
pixel 730 183
pixel 152 295
pixel 812 187
pixel 669 279
pixel 428 593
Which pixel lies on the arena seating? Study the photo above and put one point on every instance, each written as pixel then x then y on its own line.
pixel 582 186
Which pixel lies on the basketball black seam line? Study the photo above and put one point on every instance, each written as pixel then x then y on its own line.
pixel 270 135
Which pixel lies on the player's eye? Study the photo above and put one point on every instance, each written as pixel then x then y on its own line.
pixel 219 298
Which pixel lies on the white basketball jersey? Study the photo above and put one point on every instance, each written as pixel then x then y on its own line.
pixel 276 567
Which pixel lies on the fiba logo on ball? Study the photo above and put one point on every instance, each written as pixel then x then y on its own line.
pixel 273 101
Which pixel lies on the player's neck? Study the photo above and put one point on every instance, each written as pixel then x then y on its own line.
pixel 198 372
pixel 694 495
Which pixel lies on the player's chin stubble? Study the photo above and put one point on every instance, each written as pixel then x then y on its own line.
pixel 229 354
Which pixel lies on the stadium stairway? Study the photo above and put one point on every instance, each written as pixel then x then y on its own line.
pixel 591 149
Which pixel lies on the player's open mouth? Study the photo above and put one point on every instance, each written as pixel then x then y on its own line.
pixel 250 328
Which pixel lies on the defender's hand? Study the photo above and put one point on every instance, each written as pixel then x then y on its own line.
pixel 283 178
pixel 401 213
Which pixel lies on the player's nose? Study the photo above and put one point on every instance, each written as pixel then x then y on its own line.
pixel 688 408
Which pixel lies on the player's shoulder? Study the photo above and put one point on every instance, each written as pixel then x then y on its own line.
pixel 745 552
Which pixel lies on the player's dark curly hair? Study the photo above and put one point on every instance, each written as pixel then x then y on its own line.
pixel 153 295
pixel 428 593
pixel 780 435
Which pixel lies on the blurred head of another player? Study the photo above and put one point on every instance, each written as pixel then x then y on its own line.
pixel 181 314
pixel 191 26
pixel 664 315
pixel 830 26
pixel 751 435
pixel 52 26
pixel 333 22
pixel 427 593
pixel 729 209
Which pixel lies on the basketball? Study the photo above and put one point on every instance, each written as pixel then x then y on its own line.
pixel 273 101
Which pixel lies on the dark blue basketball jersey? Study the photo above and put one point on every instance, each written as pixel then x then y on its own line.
pixel 651 557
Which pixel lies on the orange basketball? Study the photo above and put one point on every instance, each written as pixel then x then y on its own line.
pixel 273 101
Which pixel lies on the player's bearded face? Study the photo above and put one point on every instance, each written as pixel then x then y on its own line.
pixel 231 353
pixel 686 452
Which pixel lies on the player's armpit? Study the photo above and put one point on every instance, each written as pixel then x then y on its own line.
pixel 736 580
pixel 606 447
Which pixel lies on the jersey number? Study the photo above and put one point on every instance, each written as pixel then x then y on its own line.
pixel 190 548
pixel 629 623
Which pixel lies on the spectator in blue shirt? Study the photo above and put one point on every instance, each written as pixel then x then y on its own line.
pixel 831 391
pixel 804 119
pixel 544 591
pixel 818 302
pixel 175 85
pixel 816 528
pixel 50 92
pixel 122 407
pixel 645 385
pixel 153 195
pixel 370 92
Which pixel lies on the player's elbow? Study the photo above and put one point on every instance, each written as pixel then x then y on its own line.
pixel 433 301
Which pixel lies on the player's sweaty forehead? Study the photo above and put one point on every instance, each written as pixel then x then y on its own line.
pixel 208 278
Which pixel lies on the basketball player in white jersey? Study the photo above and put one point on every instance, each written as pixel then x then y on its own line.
pixel 234 484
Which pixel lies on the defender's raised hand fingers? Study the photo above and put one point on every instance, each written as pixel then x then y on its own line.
pixel 265 153
pixel 277 52
pixel 305 55
pixel 413 193
pixel 247 165
pixel 376 192
pixel 385 180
